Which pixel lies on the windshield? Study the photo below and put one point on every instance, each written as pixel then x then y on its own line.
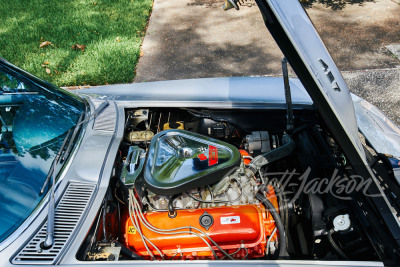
pixel 34 121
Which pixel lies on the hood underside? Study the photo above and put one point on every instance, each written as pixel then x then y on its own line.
pixel 296 36
pixel 293 31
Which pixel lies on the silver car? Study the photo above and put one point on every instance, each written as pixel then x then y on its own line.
pixel 207 172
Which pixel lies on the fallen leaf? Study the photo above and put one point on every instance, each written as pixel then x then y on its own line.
pixel 118 40
pixel 78 46
pixel 44 44
pixel 46 62
pixel 141 53
pixel 44 66
pixel 48 71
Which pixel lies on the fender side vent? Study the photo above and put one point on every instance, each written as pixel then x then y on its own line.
pixel 68 213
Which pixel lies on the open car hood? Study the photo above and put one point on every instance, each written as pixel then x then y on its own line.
pixel 296 36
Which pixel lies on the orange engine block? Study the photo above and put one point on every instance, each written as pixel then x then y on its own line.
pixel 242 229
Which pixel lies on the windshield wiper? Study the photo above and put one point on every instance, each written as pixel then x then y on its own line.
pixel 65 154
pixel 74 133
pixel 55 162
pixel 81 122
pixel 96 112
pixel 49 240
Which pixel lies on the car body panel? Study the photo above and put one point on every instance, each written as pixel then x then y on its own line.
pixel 93 161
pixel 382 134
pixel 94 157
pixel 262 92
pixel 254 91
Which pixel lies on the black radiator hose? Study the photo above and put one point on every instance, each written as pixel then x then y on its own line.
pixel 278 222
pixel 335 246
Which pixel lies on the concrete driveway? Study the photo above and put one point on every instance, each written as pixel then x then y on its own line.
pixel 196 38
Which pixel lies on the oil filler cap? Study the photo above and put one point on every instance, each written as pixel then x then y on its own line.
pixel 206 220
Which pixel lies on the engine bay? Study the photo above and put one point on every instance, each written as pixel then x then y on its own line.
pixel 202 184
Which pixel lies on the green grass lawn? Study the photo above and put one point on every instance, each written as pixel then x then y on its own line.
pixel 111 30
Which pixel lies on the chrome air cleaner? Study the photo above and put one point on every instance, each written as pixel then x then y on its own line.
pixel 180 160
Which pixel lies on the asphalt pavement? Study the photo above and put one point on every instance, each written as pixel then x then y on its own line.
pixel 196 38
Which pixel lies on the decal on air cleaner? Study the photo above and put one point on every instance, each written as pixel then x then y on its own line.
pixel 202 157
pixel 212 155
pixel 230 220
